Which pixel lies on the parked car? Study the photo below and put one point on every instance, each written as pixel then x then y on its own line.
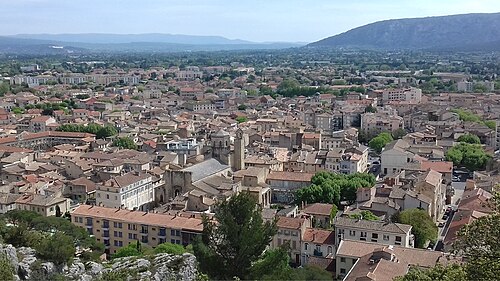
pixel 445 217
pixel 441 224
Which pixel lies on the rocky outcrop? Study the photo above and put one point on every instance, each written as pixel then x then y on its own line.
pixel 156 267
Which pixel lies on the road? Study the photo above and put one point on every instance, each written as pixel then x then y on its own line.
pixel 459 188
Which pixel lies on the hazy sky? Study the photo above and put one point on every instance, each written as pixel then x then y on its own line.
pixel 256 20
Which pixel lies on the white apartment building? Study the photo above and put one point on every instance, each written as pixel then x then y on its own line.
pixel 372 231
pixel 131 191
pixel 411 95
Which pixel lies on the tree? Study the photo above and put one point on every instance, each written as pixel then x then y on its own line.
pixel 58 248
pixel 478 244
pixel 17 110
pixel 370 109
pixel 106 132
pixel 125 142
pixel 4 88
pixel 379 142
pixel 399 133
pixel 170 248
pixel 471 156
pixel 6 269
pixel 365 215
pixel 229 247
pixel 130 250
pixel 333 188
pixel 241 119
pixel 451 272
pixel 242 107
pixel 469 138
pixel 423 227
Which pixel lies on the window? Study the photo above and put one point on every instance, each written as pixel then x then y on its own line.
pixel 352 232
pixel 386 237
pixel 287 232
pixel 330 249
pixel 374 237
pixel 342 270
pixel 398 240
pixel 342 259
pixel 306 246
pixel 107 196
pixel 362 236
pixel 75 219
pixel 279 241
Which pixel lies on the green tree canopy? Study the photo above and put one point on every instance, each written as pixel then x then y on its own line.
pixel 58 248
pixel 380 141
pixel 6 269
pixel 471 156
pixel 365 215
pixel 242 107
pixel 399 133
pixel 370 109
pixel 125 142
pixel 469 138
pixel 170 248
pixel 478 243
pixel 423 227
pixel 99 131
pixel 131 250
pixel 333 188
pixel 231 246
pixel 452 272
pixel 241 119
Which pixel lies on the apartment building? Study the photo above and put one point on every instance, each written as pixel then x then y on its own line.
pixel 131 191
pixel 375 123
pixel 317 244
pixel 118 227
pixel 41 124
pixel 200 106
pixel 409 95
pixel 381 232
pixel 291 231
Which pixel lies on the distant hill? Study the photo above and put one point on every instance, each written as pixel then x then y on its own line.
pixel 467 32
pixel 153 42
pixel 107 38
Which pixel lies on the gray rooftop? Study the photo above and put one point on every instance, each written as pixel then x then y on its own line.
pixel 372 225
pixel 205 169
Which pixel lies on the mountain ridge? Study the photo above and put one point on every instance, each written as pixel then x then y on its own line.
pixel 440 32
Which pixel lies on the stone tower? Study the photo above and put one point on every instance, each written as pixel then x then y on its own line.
pixel 239 151
pixel 221 146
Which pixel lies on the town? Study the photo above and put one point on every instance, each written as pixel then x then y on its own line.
pixel 364 170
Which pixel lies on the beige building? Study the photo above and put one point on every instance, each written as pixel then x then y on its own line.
pixel 130 191
pixel 375 123
pixel 41 123
pixel 118 227
pixel 291 231
pixel 43 205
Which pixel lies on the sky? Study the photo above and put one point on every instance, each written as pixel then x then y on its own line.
pixel 256 20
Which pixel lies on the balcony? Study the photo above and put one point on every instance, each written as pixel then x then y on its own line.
pixel 318 253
